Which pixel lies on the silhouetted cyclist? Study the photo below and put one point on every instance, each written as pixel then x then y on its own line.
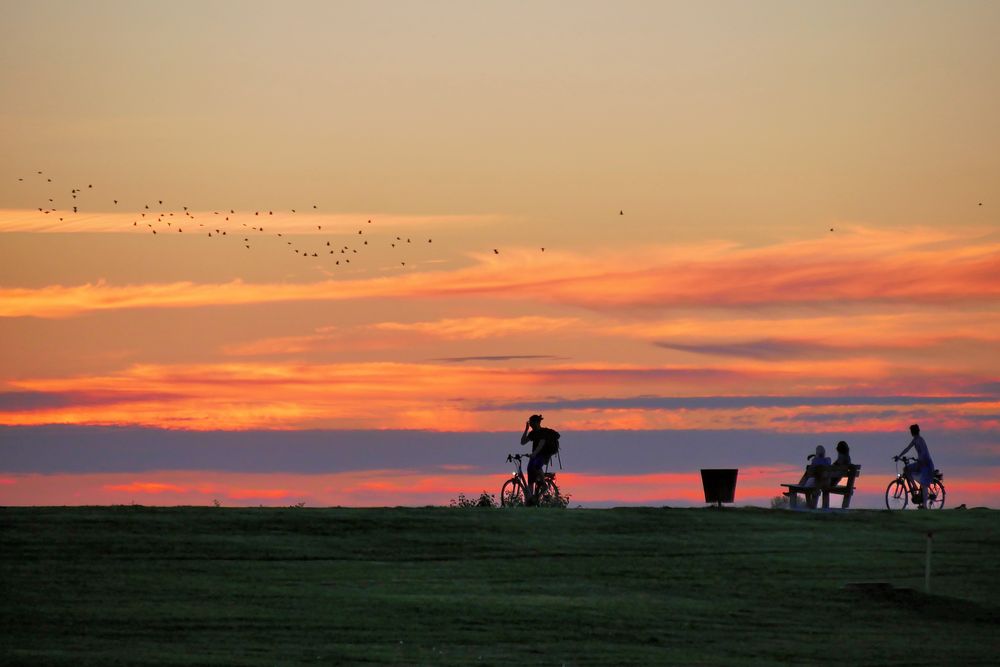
pixel 923 468
pixel 545 443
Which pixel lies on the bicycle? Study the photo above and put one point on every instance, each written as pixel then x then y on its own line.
pixel 903 489
pixel 515 490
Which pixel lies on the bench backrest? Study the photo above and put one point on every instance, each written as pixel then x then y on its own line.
pixel 824 473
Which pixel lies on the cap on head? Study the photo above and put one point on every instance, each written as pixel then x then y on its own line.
pixel 914 428
pixel 842 447
pixel 820 450
pixel 535 419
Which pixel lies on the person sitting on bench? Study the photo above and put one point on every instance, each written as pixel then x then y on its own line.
pixel 843 459
pixel 818 459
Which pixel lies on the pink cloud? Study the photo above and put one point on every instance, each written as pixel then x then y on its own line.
pixel 756 485
pixel 146 487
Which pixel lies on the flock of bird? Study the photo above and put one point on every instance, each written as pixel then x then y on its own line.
pixel 221 223
pixel 157 219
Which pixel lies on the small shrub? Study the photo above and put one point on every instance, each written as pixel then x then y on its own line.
pixel 217 502
pixel 779 502
pixel 298 505
pixel 484 500
pixel 557 501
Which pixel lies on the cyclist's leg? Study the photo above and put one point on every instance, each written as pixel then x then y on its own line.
pixel 925 476
pixel 534 476
pixel 911 471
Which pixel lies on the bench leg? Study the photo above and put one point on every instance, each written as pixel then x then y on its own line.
pixel 826 500
pixel 847 500
pixel 793 500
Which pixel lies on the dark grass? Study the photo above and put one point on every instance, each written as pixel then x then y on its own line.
pixel 177 586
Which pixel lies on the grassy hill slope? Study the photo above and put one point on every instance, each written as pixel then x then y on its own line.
pixel 173 586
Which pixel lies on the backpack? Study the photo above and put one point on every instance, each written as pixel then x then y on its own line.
pixel 551 447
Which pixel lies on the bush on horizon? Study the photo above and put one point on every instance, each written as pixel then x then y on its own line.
pixel 484 500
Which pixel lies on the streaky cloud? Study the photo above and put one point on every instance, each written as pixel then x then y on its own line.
pixel 37 400
pixel 496 357
pixel 902 266
pixel 765 349
pixel 729 402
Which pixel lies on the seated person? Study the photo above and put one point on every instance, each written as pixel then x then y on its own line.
pixel 818 459
pixel 843 459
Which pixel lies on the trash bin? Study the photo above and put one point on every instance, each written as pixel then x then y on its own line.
pixel 719 484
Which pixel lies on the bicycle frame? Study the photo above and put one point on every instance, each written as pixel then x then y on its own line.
pixel 911 486
pixel 519 478
pixel 518 474
pixel 913 489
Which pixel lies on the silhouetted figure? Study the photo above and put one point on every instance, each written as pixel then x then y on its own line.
pixel 843 459
pixel 921 469
pixel 809 479
pixel 545 443
pixel 818 459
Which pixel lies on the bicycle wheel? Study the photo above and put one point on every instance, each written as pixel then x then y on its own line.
pixel 935 495
pixel 549 494
pixel 896 495
pixel 511 493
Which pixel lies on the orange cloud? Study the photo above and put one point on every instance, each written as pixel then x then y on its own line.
pixel 907 327
pixel 395 334
pixel 472 328
pixel 862 265
pixel 470 397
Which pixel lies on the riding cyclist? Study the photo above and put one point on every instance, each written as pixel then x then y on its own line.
pixel 922 468
pixel 545 443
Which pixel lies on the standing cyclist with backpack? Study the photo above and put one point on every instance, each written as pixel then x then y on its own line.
pixel 545 445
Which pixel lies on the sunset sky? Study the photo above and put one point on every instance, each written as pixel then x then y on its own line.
pixel 690 234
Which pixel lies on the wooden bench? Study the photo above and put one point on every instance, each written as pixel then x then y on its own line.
pixel 822 477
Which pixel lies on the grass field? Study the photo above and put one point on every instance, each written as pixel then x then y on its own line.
pixel 175 586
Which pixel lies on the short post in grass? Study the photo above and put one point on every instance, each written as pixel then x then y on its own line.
pixel 927 563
